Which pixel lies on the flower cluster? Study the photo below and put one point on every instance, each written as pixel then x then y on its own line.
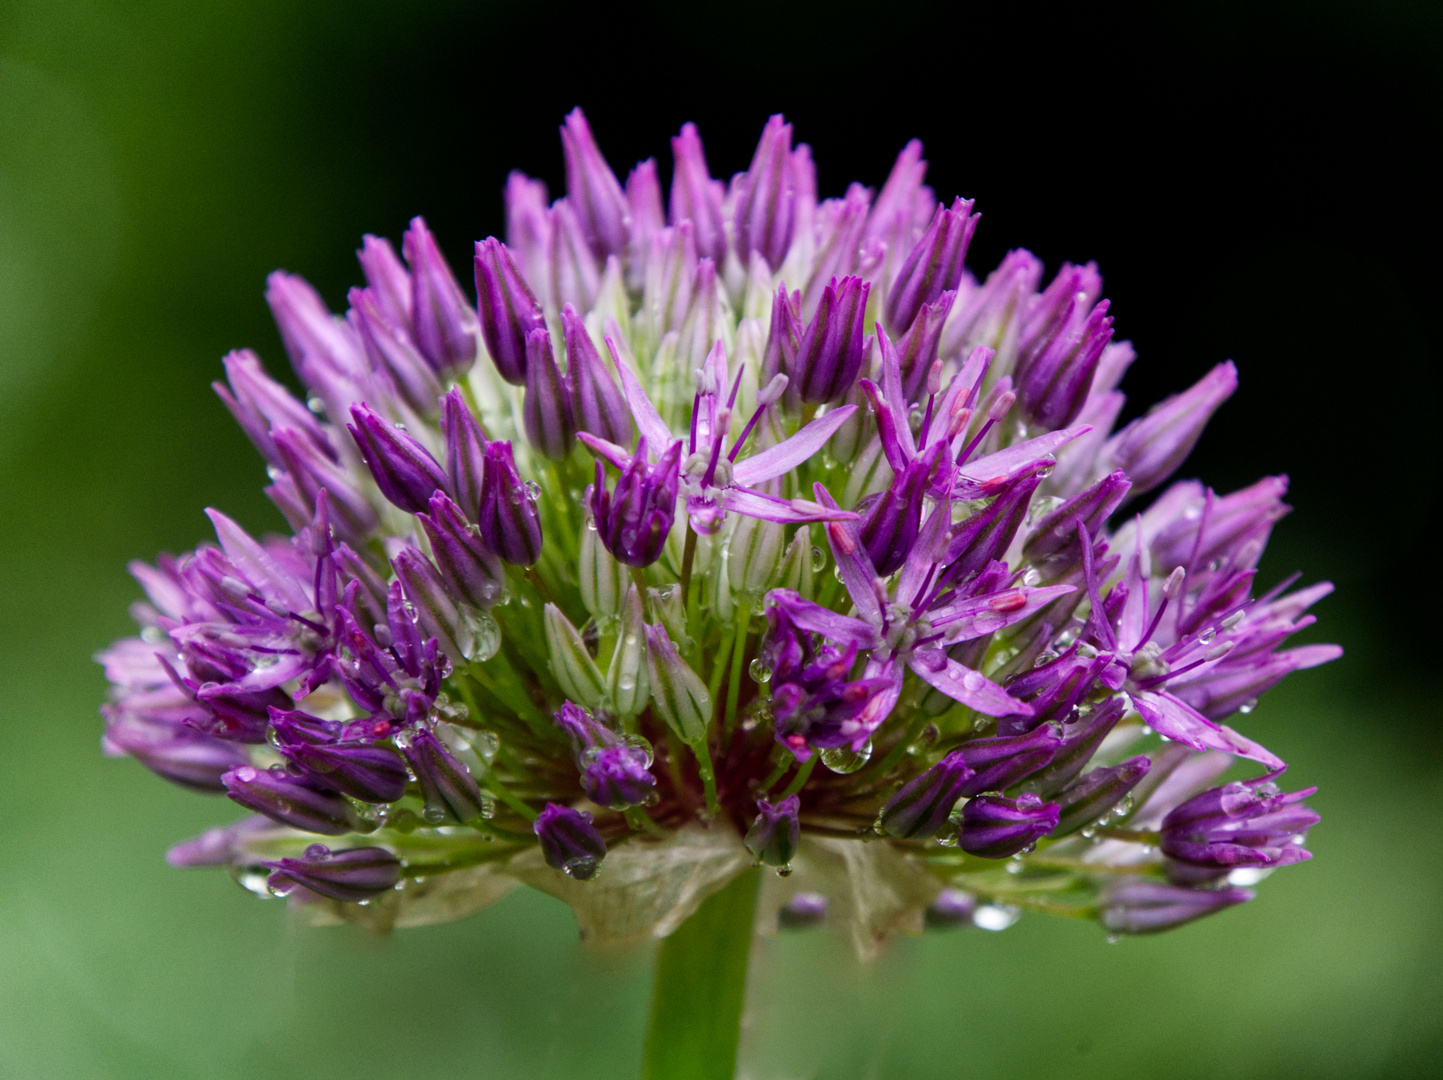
pixel 729 528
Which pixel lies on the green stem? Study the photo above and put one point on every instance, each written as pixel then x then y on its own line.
pixel 701 978
pixel 739 653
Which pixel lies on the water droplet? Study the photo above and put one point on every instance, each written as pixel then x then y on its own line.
pixel 819 559
pixel 318 851
pixel 759 670
pixel 399 426
pixel 480 635
pixel 1015 865
pixel 784 871
pixel 316 405
pixel 996 916
pixel 591 523
pixel 582 868
pixel 1032 578
pixel 433 815
pixel 1206 637
pixel 1248 706
pixel 844 760
pixel 837 573
pixel 980 724
pixel 1113 938
pixel 1089 831
pixel 533 490
pixel 253 879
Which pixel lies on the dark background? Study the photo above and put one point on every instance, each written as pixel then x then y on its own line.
pixel 1255 182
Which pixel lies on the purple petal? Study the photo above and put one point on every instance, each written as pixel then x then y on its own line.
pixel 787 455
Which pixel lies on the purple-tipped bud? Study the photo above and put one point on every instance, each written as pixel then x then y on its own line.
pixel 775 834
pixel 634 520
pixel 546 412
pixel 404 470
pixel 468 565
pixel 784 336
pixel 1001 762
pixel 696 197
pixel 803 910
pixel 1147 907
pixel 766 205
pixel 349 876
pixel 443 324
pixel 311 472
pixel 509 521
pixel 465 451
pixel 617 776
pixel 569 842
pixel 643 199
pixel 922 806
pixel 985 536
pixel 1052 386
pixel 435 613
pixel 597 403
pixel 1239 824
pixel 1052 545
pixel 507 308
pixel 1151 448
pixel 592 189
pixel 917 348
pixel 389 280
pixel 933 267
pixel 951 909
pixel 994 827
pixel 179 754
pixel 575 272
pixel 1097 793
pixel 449 789
pixel 890 526
pixel 374 774
pixel 830 354
pixel 282 796
pixel 390 351
pixel 260 405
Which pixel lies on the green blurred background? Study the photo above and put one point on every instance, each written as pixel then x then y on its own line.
pixel 1256 183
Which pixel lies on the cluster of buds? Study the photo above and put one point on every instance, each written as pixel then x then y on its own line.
pixel 733 528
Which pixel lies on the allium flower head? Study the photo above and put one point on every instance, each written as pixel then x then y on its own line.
pixel 727 528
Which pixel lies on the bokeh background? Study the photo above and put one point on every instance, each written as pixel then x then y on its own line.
pixel 1257 181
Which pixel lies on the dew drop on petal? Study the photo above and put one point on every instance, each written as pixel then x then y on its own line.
pixel 819 559
pixel 844 760
pixel 760 672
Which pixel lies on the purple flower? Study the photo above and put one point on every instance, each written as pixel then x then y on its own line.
pixel 614 770
pixel 443 323
pixel 1151 448
pixel 292 800
pixel 508 309
pixel 933 267
pixel 766 197
pixel 1249 823
pixel 832 349
pixel 349 876
pixel 1147 907
pixel 404 470
pixel 634 520
pixel 592 189
pixel 1002 762
pixel 1053 384
pixel 550 426
pixel 696 197
pixel 357 768
pixel 923 804
pixel 776 832
pixel 507 515
pixel 466 447
pixel 993 827
pixel 1096 794
pixel 569 842
pixel 446 784
pixel 597 403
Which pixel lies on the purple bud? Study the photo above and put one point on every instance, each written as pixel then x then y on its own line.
pixel 634 520
pixel 374 774
pixel 592 189
pixel 890 526
pixel 933 267
pixel 986 536
pixel 1249 823
pixel 348 876
pixel 917 348
pixel 775 834
pixel 507 308
pixel 696 197
pixel 1052 545
pixel 830 354
pixel 468 565
pixel 508 517
pixel 784 336
pixel 766 204
pixel 448 787
pixel 575 273
pixel 310 472
pixel 643 199
pixel 260 405
pixel 404 470
pixel 924 803
pixel 391 352
pixel 311 334
pixel 1151 448
pixel 389 281
pixel 569 841
pixel 952 908
pixel 179 754
pixel 840 225
pixel 597 404
pixel 443 323
pixel 435 612
pixel 291 800
pixel 1052 385
pixel 1001 762
pixel 617 776
pixel 546 412
pixel 1146 907
pixel 369 594
pixel 1097 793
pixel 465 451
pixel 803 910
pixel 994 827
pixel 528 233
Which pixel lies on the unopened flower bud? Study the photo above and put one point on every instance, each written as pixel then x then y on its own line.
pixel 446 784
pixel 546 411
pixel 696 197
pixel 508 517
pixel 922 806
pixel 285 797
pixel 469 567
pixel 404 470
pixel 1151 448
pixel 569 842
pixel 508 309
pixel 374 774
pixel 994 827
pixel 776 832
pixel 634 520
pixel 1147 907
pixel 677 691
pixel 576 672
pixel 602 580
pixel 629 679
pixel 592 189
pixel 465 451
pixel 1001 762
pixel 933 267
pixel 830 353
pixel 766 206
pixel 1095 794
pixel 596 401
pixel 348 876
pixel 444 324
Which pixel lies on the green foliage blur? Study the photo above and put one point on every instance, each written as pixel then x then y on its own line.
pixel 1253 184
